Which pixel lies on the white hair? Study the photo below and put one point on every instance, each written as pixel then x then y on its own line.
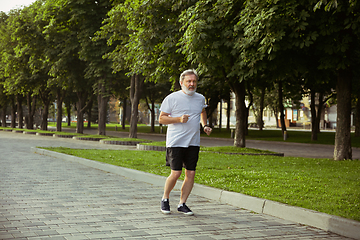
pixel 188 72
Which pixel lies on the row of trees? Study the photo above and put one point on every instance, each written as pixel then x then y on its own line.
pixel 90 50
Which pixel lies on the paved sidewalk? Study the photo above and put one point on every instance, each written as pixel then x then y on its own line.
pixel 43 197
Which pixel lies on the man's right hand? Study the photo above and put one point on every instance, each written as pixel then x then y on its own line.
pixel 184 118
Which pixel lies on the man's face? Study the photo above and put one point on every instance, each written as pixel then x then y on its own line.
pixel 189 84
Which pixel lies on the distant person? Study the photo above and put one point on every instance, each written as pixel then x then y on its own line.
pixel 183 111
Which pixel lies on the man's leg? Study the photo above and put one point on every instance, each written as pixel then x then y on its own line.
pixel 187 185
pixel 170 183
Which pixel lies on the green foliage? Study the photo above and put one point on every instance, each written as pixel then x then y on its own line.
pixel 78 45
pixel 145 34
pixel 208 37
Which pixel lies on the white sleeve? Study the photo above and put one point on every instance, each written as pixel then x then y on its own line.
pixel 204 104
pixel 165 105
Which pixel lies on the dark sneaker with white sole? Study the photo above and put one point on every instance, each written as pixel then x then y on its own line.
pixel 185 209
pixel 165 206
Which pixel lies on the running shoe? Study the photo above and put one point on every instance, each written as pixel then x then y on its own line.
pixel 185 209
pixel 165 206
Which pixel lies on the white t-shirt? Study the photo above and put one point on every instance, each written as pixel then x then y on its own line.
pixel 177 104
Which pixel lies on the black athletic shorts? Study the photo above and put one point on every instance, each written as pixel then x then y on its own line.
pixel 179 157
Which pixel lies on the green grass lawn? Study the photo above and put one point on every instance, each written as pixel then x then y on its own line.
pixel 323 185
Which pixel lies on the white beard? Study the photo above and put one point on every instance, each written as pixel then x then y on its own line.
pixel 187 90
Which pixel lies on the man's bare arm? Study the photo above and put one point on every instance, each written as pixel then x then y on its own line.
pixel 203 117
pixel 203 120
pixel 166 119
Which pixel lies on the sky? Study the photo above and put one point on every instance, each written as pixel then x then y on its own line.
pixel 7 5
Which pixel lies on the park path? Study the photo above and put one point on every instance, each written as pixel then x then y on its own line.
pixel 42 197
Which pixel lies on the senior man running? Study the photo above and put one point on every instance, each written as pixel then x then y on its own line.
pixel 183 111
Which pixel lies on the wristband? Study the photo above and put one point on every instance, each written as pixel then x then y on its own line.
pixel 206 126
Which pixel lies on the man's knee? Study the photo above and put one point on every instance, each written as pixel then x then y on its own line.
pixel 190 174
pixel 175 174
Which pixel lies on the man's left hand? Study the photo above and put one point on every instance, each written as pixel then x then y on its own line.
pixel 208 130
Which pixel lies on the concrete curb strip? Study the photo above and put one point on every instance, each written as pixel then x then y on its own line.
pixel 342 226
pixel 327 222
pixel 88 139
pixel 63 136
pixel 130 143
pixel 243 201
pixel 150 148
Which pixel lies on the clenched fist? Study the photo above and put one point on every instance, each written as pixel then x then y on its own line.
pixel 207 130
pixel 184 118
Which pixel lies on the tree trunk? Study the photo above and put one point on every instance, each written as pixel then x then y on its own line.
pixel 210 118
pixel 357 117
pixel 103 100
pixel 80 116
pixel 89 113
pixel 68 112
pixel 20 115
pixel 251 98
pixel 3 116
pixel 314 125
pixel 124 113
pixel 281 109
pixel 152 111
pixel 276 114
pixel 240 131
pixel 45 97
pixel 319 111
pixel 59 100
pixel 220 115
pixel 45 114
pixel 80 112
pixel 135 93
pixel 81 108
pixel 13 113
pixel 31 103
pixel 260 121
pixel 228 112
pixel 247 110
pixel 342 137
